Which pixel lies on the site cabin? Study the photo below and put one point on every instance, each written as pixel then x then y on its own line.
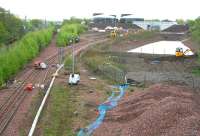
pixel 74 79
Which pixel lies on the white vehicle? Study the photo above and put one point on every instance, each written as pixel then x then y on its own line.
pixel 40 65
pixel 43 65
pixel 74 79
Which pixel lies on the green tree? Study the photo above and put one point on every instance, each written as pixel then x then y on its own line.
pixel 3 33
pixel 13 26
pixel 195 30
pixel 180 21
pixel 36 23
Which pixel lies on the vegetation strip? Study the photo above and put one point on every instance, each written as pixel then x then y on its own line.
pixel 14 58
pixel 69 33
pixel 43 102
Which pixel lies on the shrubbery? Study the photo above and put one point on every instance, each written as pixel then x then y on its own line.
pixel 69 32
pixel 104 65
pixel 195 34
pixel 22 51
pixel 11 27
pixel 195 29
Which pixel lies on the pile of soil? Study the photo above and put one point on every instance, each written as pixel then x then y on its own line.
pixel 160 110
pixel 123 25
pixel 177 28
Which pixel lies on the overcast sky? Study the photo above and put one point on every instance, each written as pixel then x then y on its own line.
pixel 59 9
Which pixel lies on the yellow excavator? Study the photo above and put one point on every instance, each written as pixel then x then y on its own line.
pixel 180 52
pixel 113 34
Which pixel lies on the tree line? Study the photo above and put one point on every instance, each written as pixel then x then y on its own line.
pixel 69 31
pixel 21 52
pixel 13 28
pixel 194 26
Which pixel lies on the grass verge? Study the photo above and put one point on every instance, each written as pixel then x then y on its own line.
pixel 58 116
pixel 105 65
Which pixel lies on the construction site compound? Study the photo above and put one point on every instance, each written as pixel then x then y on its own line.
pixel 133 79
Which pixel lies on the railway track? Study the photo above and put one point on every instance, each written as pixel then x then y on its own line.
pixel 11 105
pixel 16 98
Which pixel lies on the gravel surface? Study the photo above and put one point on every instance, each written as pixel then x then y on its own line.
pixel 160 110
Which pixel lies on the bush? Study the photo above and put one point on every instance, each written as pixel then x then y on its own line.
pixel 195 30
pixel 69 32
pixel 14 58
pixel 11 27
pixel 104 65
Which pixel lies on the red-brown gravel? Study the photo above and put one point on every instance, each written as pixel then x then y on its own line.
pixel 160 110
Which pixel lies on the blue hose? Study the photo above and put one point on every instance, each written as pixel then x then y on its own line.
pixel 108 105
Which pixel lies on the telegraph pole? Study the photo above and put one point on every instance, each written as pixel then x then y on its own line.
pixel 73 57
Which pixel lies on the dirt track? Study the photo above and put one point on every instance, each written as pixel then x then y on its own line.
pixel 160 110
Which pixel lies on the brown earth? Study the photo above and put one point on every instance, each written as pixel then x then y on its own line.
pixel 170 109
pixel 131 44
pixel 160 110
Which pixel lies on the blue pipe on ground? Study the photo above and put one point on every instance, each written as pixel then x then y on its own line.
pixel 102 109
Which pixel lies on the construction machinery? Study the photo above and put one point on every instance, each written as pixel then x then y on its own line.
pixel 181 53
pixel 113 34
pixel 40 65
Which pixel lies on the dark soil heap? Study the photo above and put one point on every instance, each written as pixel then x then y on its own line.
pixel 160 110
pixel 177 28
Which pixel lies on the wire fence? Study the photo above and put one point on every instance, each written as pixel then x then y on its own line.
pixel 155 68
pixel 171 74
pixel 112 72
